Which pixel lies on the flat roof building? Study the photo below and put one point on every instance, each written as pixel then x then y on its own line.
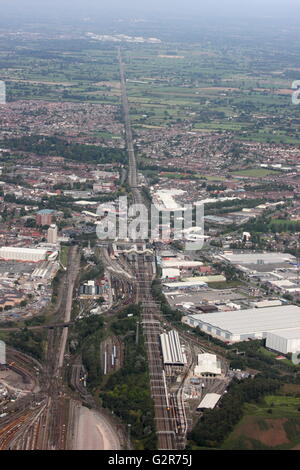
pixel 284 341
pixel 258 258
pixel 186 284
pixel 244 324
pixel 209 401
pixel 208 365
pixel 181 263
pixel 22 254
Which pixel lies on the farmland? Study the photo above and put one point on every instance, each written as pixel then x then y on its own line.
pixel 208 88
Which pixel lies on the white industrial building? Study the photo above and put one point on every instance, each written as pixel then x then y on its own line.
pixel 258 258
pixel 171 348
pixel 207 279
pixel 165 199
pixel 170 273
pixel 252 323
pixel 181 263
pixel 284 341
pixel 209 401
pixel 185 284
pixel 208 366
pixel 266 303
pixel 22 254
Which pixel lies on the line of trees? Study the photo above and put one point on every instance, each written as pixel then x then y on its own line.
pixel 55 146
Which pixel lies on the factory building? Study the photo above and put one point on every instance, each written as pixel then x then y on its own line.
pixel 284 341
pixel 257 258
pixel 171 348
pixel 181 264
pixel 247 324
pixel 22 254
pixel 208 366
pixel 197 283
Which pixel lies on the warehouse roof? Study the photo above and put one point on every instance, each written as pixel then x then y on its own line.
pixel 171 348
pixel 208 363
pixel 21 249
pixel 176 263
pixel 254 258
pixel 253 320
pixel 213 278
pixel 210 400
pixel 290 333
pixel 267 303
pixel 184 285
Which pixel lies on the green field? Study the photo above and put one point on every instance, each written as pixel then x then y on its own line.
pixel 272 424
pixel 255 172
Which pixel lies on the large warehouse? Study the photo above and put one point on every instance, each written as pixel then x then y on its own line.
pixel 258 258
pixel 22 254
pixel 284 341
pixel 244 324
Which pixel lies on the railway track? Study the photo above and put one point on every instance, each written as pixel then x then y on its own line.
pixel 44 425
pixel 165 419
pixel 164 409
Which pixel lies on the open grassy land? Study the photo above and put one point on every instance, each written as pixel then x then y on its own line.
pixel 272 424
pixel 255 172
pixel 55 70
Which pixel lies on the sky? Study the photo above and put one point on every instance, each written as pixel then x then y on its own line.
pixel 212 8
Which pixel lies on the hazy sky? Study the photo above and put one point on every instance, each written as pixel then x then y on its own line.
pixel 253 8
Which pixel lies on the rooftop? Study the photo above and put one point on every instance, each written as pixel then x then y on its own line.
pixel 46 211
pixel 210 400
pixel 259 258
pixel 291 333
pixel 252 320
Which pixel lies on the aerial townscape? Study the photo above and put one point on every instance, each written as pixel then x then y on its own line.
pixel 149 227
